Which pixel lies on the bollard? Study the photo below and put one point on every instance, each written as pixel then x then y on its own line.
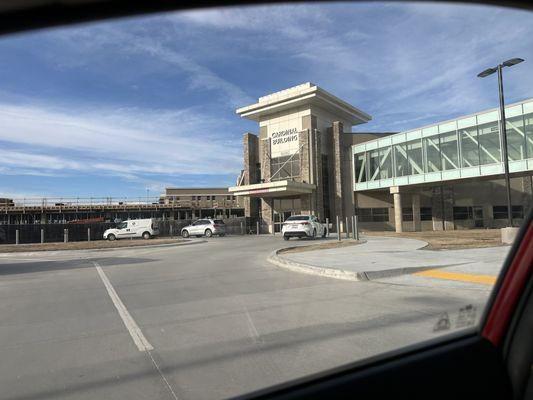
pixel 65 235
pixel 88 234
pixel 42 235
pixel 338 230
pixel 272 227
pixel 170 230
pixel 356 227
pixel 242 229
pixel 17 236
pixel 257 231
pixel 327 226
pixel 347 229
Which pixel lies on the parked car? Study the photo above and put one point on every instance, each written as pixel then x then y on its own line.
pixel 303 226
pixel 206 226
pixel 145 228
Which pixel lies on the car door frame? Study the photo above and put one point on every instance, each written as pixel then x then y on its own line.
pixel 124 232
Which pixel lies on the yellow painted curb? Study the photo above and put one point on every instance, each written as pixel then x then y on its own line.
pixel 458 276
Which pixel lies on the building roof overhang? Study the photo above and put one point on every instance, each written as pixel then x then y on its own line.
pixel 273 189
pixel 303 95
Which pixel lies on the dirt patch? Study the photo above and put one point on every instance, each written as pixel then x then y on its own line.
pixel 97 244
pixel 319 246
pixel 449 240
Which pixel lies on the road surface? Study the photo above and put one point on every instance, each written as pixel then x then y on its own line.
pixel 204 321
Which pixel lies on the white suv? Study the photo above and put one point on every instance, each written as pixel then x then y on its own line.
pixel 206 226
pixel 303 226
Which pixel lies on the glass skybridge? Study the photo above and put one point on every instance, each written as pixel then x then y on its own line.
pixel 466 147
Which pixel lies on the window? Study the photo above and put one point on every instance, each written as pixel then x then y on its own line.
pixel 407 214
pixel 426 214
pixel 462 213
pixel 489 143
pixel 385 169
pixel 500 212
pixel 298 218
pixel 469 147
pixel 528 130
pixel 402 163
pixel 432 149
pixel 516 139
pixel 414 154
pixel 148 110
pixel 373 167
pixel 285 167
pixel 373 214
pixel 449 150
pixel 360 167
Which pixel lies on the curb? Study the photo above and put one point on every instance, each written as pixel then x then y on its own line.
pixel 336 273
pixel 149 246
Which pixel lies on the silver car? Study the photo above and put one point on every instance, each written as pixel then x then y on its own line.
pixel 206 226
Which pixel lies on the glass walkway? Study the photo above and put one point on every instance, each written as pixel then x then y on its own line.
pixel 466 147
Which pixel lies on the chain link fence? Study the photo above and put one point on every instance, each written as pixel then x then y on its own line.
pixel 49 233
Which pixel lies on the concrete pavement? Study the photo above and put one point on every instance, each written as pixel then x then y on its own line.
pixel 384 257
pixel 222 321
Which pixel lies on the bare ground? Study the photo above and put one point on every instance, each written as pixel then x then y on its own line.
pixel 320 246
pixel 97 244
pixel 448 240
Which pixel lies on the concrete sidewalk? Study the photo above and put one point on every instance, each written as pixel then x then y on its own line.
pixel 381 257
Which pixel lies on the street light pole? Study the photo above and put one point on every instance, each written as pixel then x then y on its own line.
pixel 505 156
pixel 503 130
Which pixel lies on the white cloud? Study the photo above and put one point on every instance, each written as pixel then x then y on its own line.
pixel 122 142
pixel 143 41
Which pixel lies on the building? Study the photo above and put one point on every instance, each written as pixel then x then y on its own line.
pixel 447 175
pixel 301 160
pixel 203 202
pixel 306 160
pixel 174 204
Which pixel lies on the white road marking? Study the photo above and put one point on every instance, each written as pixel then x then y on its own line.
pixel 169 386
pixel 251 326
pixel 132 327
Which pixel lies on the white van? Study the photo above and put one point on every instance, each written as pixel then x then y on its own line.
pixel 145 228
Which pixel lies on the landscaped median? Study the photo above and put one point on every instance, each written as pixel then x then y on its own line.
pixel 97 244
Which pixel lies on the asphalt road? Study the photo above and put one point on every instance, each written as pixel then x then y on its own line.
pixel 210 320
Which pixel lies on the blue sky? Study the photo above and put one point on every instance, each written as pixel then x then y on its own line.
pixel 116 108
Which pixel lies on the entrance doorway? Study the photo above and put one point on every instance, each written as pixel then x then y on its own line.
pixel 477 213
pixel 283 208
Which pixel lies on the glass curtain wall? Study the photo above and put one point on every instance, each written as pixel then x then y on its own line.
pixel 286 167
pixel 469 147
pixel 432 149
pixel 528 130
pixel 449 149
pixel 414 154
pixel 385 167
pixel 400 158
pixel 360 167
pixel 516 138
pixel 489 143
pixel 463 148
pixel 373 166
